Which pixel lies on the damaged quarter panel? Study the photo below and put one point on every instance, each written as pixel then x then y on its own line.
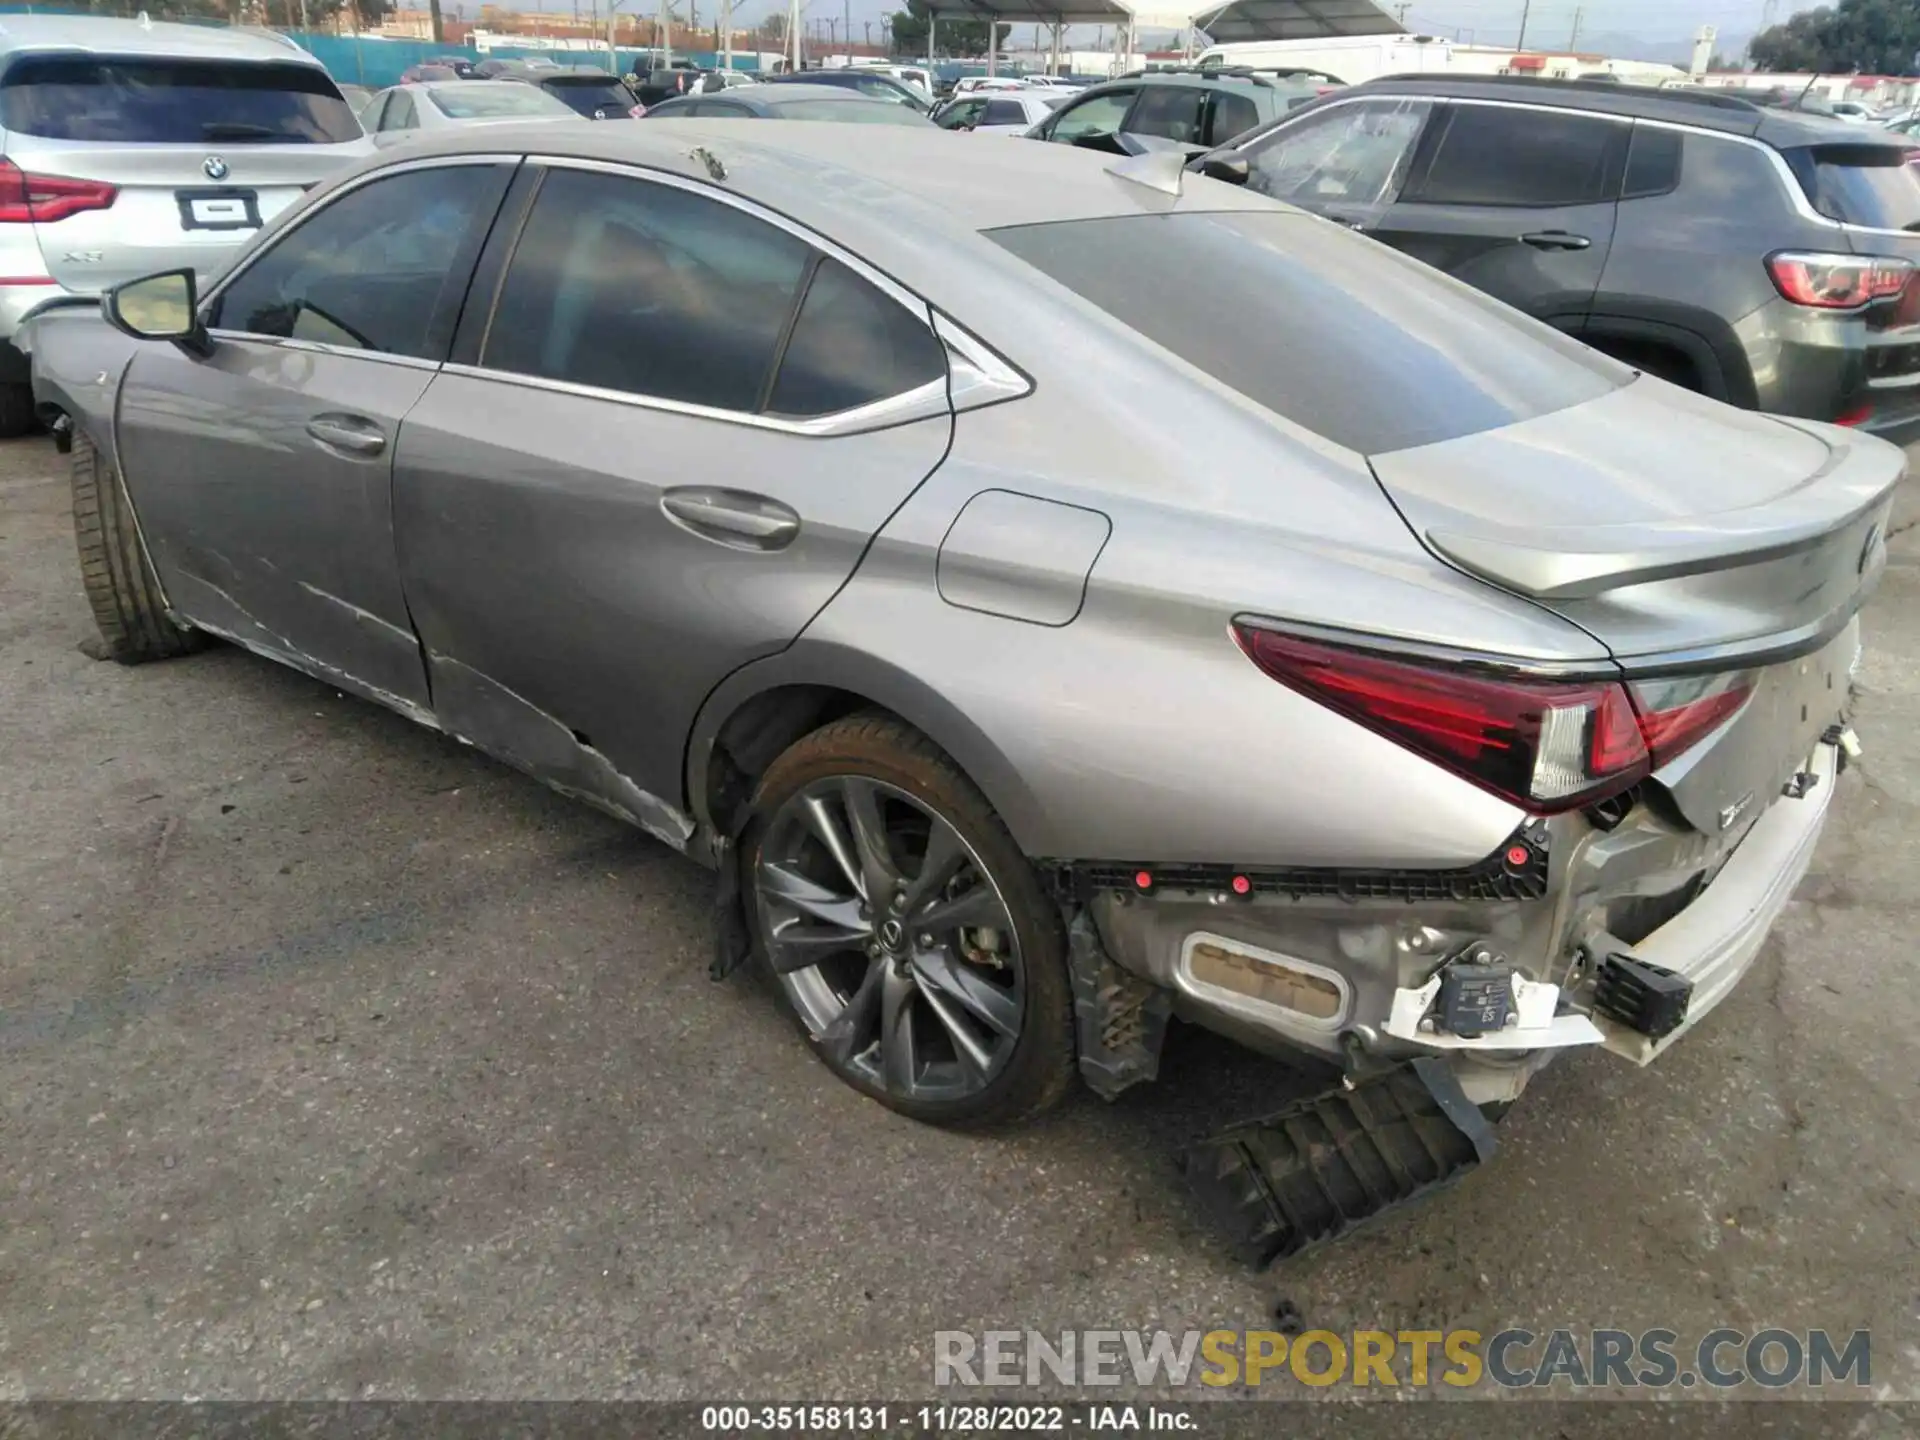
pixel 78 360
pixel 1139 731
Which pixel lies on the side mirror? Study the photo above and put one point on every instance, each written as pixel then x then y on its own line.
pixel 159 307
pixel 1220 167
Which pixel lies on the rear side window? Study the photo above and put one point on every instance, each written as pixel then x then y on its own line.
pixel 1232 114
pixel 378 269
pixel 626 285
pixel 173 102
pixel 1496 155
pixel 852 345
pixel 1169 111
pixel 1005 112
pixel 1861 184
pixel 1340 334
pixel 1653 163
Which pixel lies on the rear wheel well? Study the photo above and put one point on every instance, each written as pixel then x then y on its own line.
pixel 755 735
pixel 1654 357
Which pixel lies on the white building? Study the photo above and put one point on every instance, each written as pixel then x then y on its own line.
pixel 1354 58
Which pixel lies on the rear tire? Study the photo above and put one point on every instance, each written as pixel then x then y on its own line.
pixel 982 993
pixel 119 582
pixel 17 416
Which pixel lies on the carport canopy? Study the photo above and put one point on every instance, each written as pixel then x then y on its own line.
pixel 1064 12
pixel 1243 20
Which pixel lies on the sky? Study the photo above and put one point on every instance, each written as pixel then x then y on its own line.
pixel 1488 22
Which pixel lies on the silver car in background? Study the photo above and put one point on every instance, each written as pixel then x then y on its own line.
pixel 133 146
pixel 1328 654
pixel 423 108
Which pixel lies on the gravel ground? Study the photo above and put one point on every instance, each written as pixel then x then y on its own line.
pixel 338 1061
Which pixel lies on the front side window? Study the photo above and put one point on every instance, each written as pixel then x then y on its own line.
pixel 400 113
pixel 146 100
pixel 1232 114
pixel 1499 155
pixel 1348 154
pixel 1096 116
pixel 1171 112
pixel 375 270
pixel 962 114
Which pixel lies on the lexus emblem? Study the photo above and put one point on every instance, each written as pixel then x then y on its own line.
pixel 215 167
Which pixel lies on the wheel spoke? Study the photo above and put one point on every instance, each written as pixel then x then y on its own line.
pixel 870 839
pixel 796 945
pixel 977 906
pixel 816 900
pixel 847 1033
pixel 973 1055
pixel 992 1006
pixel 899 1060
pixel 826 829
pixel 945 855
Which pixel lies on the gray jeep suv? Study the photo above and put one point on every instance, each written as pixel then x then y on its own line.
pixel 1764 257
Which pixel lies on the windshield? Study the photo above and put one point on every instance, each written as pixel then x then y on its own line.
pixel 1340 334
pixel 492 100
pixel 587 94
pixel 854 112
pixel 173 102
pixel 1862 184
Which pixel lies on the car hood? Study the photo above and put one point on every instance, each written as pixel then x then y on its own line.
pixel 1663 523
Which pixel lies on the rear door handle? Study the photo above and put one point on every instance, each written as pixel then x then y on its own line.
pixel 734 518
pixel 1555 240
pixel 353 433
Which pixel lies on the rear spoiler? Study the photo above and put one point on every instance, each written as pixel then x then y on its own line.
pixel 1580 563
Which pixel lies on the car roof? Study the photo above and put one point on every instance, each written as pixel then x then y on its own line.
pixel 103 35
pixel 853 181
pixel 1702 109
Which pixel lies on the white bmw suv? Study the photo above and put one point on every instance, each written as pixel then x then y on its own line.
pixel 130 146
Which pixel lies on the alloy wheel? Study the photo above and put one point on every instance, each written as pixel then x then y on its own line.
pixel 891 939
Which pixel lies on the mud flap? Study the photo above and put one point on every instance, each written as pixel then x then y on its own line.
pixel 1317 1170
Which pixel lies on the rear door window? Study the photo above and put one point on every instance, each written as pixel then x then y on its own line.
pixel 1502 155
pixel 852 345
pixel 1870 185
pixel 621 284
pixel 380 269
pixel 137 100
pixel 1232 114
pixel 1005 112
pixel 1171 112
pixel 1339 334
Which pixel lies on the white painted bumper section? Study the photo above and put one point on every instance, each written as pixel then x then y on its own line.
pixel 1714 940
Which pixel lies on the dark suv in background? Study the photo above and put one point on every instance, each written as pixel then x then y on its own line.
pixel 1761 256
pixel 1189 107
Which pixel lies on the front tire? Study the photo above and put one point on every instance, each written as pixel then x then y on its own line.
pixel 119 582
pixel 909 936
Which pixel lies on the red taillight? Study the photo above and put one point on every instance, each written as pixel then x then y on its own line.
pixel 1544 745
pixel 1858 415
pixel 1677 714
pixel 28 199
pixel 1836 282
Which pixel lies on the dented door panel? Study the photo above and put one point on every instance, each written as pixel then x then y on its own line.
pixel 261 524
pixel 560 597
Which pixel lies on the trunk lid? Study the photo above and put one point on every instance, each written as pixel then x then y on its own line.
pixel 1687 537
pixel 200 152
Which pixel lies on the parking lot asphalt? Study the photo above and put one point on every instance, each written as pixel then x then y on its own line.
pixel 337 1060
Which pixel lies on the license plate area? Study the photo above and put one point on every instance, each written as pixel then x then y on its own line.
pixel 219 209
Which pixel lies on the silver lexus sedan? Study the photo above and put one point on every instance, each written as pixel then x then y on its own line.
pixel 1054 594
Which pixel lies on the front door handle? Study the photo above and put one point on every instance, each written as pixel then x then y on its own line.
pixel 735 518
pixel 352 433
pixel 1555 240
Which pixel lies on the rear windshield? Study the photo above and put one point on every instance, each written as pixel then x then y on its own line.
pixel 490 100
pixel 588 93
pixel 173 102
pixel 854 112
pixel 1862 184
pixel 1341 335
